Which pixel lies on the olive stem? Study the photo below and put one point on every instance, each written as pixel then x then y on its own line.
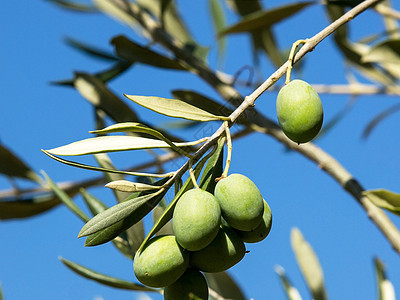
pixel 192 177
pixel 290 59
pixel 229 146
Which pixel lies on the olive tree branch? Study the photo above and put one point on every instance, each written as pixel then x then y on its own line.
pixel 263 124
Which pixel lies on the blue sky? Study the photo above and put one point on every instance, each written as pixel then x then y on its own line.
pixel 37 115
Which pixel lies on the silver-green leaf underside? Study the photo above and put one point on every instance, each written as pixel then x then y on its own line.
pixel 104 144
pixel 309 264
pixel 128 186
pixel 175 108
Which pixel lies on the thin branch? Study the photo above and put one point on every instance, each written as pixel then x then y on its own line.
pixel 327 163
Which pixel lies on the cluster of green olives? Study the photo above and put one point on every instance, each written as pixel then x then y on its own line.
pixel 209 236
pixel 299 111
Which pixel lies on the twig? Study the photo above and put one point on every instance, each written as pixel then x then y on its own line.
pixel 328 163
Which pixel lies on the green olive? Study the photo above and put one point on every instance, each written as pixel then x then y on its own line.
pixel 241 202
pixel 192 285
pixel 161 262
pixel 225 251
pixel 261 231
pixel 299 110
pixel 196 219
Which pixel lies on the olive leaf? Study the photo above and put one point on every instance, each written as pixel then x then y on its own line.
pixel 96 206
pixel 378 119
pixel 13 166
pixel 74 5
pixel 119 212
pixel 90 50
pixel 104 279
pixel 385 287
pixel 137 127
pixel 213 168
pixel 66 199
pixel 167 228
pixel 387 51
pixel 309 264
pixel 96 92
pixel 225 285
pixel 219 21
pixel 29 207
pixel 133 52
pixel 384 199
pixel 128 186
pixel 291 292
pixel 175 108
pixel 88 167
pixel 104 144
pixel 265 18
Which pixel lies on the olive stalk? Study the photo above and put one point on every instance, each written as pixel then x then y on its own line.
pixel 229 152
pixel 290 59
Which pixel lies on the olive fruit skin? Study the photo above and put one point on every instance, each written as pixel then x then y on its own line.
pixel 241 202
pixel 299 110
pixel 161 262
pixel 196 219
pixel 261 231
pixel 225 251
pixel 192 285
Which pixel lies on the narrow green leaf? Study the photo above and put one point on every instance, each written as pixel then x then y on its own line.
pixel 137 127
pixel 225 286
pixel 87 167
pixel 134 235
pixel 105 279
pixel 111 232
pixel 219 21
pixel 115 214
pixel 75 6
pixel 167 13
pixel 378 119
pixel 291 292
pixel 118 12
pixel 11 165
pixel 96 92
pixel 386 51
pixel 175 108
pixel 167 228
pixel 16 209
pixel 384 199
pixel 90 50
pixel 133 52
pixel 111 143
pixel 265 18
pixel 203 102
pixel 385 287
pixel 129 186
pixel 104 76
pixel 213 168
pixel 1 293
pixel 63 196
pixel 309 264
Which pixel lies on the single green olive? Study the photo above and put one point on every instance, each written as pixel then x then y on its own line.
pixel 241 202
pixel 161 262
pixel 225 251
pixel 261 231
pixel 196 219
pixel 299 110
pixel 192 285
